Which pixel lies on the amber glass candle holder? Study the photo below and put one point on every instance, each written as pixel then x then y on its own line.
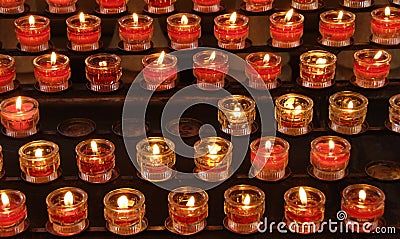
pixel 13 213
pixel 160 6
pixel 12 7
pixel 357 3
pixel 337 27
pixel 263 70
pixel 61 7
pixel 84 32
pixel 385 26
pixel 33 33
pixel 160 71
pixel 394 113
pixel 103 72
pixel 305 4
pixel 210 69
pixel 7 73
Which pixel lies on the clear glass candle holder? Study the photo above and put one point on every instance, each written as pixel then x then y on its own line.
pixel 210 68
pixel 305 4
pixel 304 209
pixel 136 32
pixel 184 30
pixel 61 6
pixel 364 205
pixel 67 209
pixel 96 160
pixel 231 31
pixel 39 161
pixel 19 116
pixel 336 27
pixel 33 33
pixel 258 5
pixel 263 70
pixel 188 210
pixel 206 6
pixel 244 207
pixel 294 113
pixel 156 157
pixel 160 6
pixel 347 112
pixel 124 211
pixel 7 73
pixel 84 32
pixel 236 114
pixel 357 3
pixel 385 26
pixel 112 7
pixel 12 7
pixel 394 113
pixel 286 29
pixel 160 71
pixel 13 212
pixel 103 72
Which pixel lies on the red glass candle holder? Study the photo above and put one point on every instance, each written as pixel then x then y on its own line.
pixel 263 70
pixel 258 5
pixel 33 33
pixel 68 210
pixel 286 29
pixel 231 31
pixel 160 71
pixel 206 6
pixel 364 205
pixel 112 7
pixel 357 3
pixel 394 113
pixel 336 28
pixel 103 72
pixel 13 212
pixel 184 30
pixel 7 73
pixel 96 160
pixel 12 7
pixel 160 6
pixel 385 26
pixel 61 6
pixel 84 32
pixel 210 68
pixel 305 4
pixel 136 32
pixel 19 116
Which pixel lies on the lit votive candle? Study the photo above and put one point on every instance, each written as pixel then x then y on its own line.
pixel 329 157
pixel 347 112
pixel 112 7
pixel 124 211
pixel 136 31
pixel 33 33
pixel 61 6
pixel 286 29
pixel 236 114
pixel 394 113
pixel 317 69
pixel 305 4
pixel 231 31
pixel 39 161
pixel 13 212
pixel 184 30
pixel 19 116
pixel 210 68
pixel 155 157
pixel 68 210
pixel 258 5
pixel 269 158
pixel 103 71
pixel 160 71
pixel 160 6
pixel 244 206
pixel 12 7
pixel 385 26
pixel 336 27
pixel 188 210
pixel 263 70
pixel 357 3
pixel 7 73
pixel 294 113
pixel 206 6
pixel 364 205
pixel 52 71
pixel 96 160
pixel 84 32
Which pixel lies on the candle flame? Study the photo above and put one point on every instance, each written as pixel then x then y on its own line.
pixel 31 21
pixel 156 149
pixel 213 149
pixel 289 103
pixel 212 57
pixel 135 19
pixel 237 112
pixel 190 202
pixel 5 200
pixel 266 58
pixel 161 58
pixel 340 16
pixel 123 202
pixel 268 145
pixel 53 58
pixel 387 11
pixel 232 19
pixel 298 109
pixel 39 153
pixel 93 146
pixel 81 17
pixel 247 199
pixel 184 20
pixel 288 15
pixel 303 196
pixel 18 103
pixel 378 55
pixel 320 61
pixel 331 145
pixel 103 63
pixel 350 105
pixel 362 195
pixel 68 199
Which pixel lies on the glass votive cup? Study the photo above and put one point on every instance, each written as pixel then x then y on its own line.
pixel 13 212
pixel 357 3
pixel 206 6
pixel 160 71
pixel 184 30
pixel 394 113
pixel 7 73
pixel 12 7
pixel 263 70
pixel 258 5
pixel 84 32
pixel 285 31
pixel 160 6
pixel 336 27
pixel 136 32
pixel 33 33
pixel 61 6
pixel 305 4
pixel 103 72
pixel 155 157
pixel 385 26
pixel 210 68
pixel 347 112
pixel 112 7
pixel 231 33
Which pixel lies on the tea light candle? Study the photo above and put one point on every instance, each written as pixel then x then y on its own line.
pixel 363 204
pixel 112 7
pixel 244 206
pixel 347 112
pixel 84 32
pixel 12 7
pixel 19 116
pixel 394 113
pixel 337 27
pixel 39 161
pixel 62 6
pixel 269 157
pixel 210 68
pixel 286 29
pixel 124 211
pixel 96 160
pixel 385 26
pixel 155 157
pixel 136 31
pixel 263 70
pixel 160 6
pixel 305 4
pixel 52 71
pixel 206 6
pixel 236 114
pixel 184 30
pixel 33 33
pixel 160 71
pixel 231 31
pixel 329 157
pixel 258 5
pixel 294 113
pixel 7 73
pixel 13 212
pixel 68 210
pixel 357 3
pixel 103 72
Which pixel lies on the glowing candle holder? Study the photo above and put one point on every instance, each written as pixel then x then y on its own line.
pixel 188 210
pixel 68 210
pixel 336 28
pixel 160 71
pixel 7 73
pixel 12 7
pixel 244 206
pixel 184 30
pixel 61 6
pixel 317 69
pixel 263 70
pixel 96 160
pixel 258 5
pixel 84 32
pixel 52 71
pixel 136 32
pixel 19 116
pixel 236 114
pixel 347 112
pixel 206 6
pixel 160 6
pixel 286 29
pixel 357 3
pixel 112 7
pixel 294 113
pixel 305 4
pixel 103 71
pixel 364 205
pixel 39 161
pixel 124 211
pixel 231 31
pixel 13 213
pixel 33 33
pixel 156 157
pixel 210 69
pixel 385 26
pixel 394 113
